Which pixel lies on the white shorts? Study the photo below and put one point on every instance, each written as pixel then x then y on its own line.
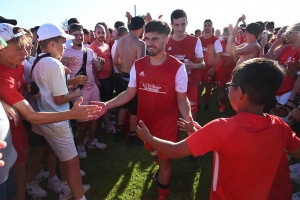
pixel 282 99
pixel 63 147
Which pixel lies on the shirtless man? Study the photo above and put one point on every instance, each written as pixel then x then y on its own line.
pixel 129 49
pixel 250 49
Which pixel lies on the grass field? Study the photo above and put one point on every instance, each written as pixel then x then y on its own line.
pixel 119 172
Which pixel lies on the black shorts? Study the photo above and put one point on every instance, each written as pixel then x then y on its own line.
pixel 132 104
pixel 118 87
pixel 34 139
pixel 105 89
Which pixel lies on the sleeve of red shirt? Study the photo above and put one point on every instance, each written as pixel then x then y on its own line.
pixel 208 138
pixel 9 93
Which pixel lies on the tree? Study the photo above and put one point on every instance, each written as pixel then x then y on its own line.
pixel 64 24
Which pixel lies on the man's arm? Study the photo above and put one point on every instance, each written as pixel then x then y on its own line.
pixel 170 149
pixel 183 105
pixel 247 49
pixel 199 55
pixel 77 112
pixel 117 60
pixel 213 67
pixel 59 100
pixel 141 51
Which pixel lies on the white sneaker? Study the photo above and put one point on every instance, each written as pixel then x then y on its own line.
pixel 111 129
pixel 82 173
pixel 66 193
pixel 54 184
pixel 295 177
pixel 81 151
pixel 296 196
pixel 96 144
pixel 35 190
pixel 111 123
pixel 41 176
pixel 294 168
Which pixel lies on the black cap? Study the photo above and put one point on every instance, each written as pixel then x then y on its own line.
pixel 136 23
pixel 8 21
pixel 254 29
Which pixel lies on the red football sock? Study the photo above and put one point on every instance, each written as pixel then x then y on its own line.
pixel 163 191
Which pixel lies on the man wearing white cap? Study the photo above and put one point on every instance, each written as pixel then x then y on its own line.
pixel 49 75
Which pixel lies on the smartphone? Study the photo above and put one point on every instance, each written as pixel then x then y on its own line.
pixel 265 35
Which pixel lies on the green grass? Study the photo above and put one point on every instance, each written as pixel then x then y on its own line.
pixel 119 172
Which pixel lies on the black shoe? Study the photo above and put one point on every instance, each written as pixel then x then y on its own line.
pixel 206 107
pixel 119 136
pixel 134 141
pixel 155 176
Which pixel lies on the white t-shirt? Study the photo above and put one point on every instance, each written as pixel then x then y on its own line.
pixel 180 79
pixel 49 75
pixel 218 46
pixel 113 51
pixel 27 69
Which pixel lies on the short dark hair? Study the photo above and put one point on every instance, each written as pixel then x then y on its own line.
pixel 270 25
pixel 197 31
pixel 85 31
pixel 73 20
pixel 110 30
pixel 259 78
pixel 44 43
pixel 178 13
pixel 225 29
pixel 262 26
pixel 208 20
pixel 118 24
pixel 158 26
pixel 102 23
pixel 277 29
pixel 122 30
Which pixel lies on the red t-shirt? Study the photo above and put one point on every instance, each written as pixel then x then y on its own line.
pixel 208 50
pixel 286 55
pixel 248 152
pixel 240 39
pixel 103 52
pixel 226 61
pixel 185 49
pixel 12 87
pixel 157 100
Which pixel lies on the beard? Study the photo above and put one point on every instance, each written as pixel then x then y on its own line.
pixel 79 44
pixel 101 39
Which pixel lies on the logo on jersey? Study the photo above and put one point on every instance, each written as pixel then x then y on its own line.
pixel 142 73
pixel 153 88
pixel 170 48
pixel 182 57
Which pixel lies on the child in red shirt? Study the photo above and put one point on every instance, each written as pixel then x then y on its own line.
pixel 249 147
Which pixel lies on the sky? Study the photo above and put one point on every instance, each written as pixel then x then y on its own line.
pixel 30 13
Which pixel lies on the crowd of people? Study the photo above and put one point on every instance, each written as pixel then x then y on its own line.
pixel 138 77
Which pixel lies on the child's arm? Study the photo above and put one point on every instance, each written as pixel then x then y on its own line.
pixel 188 126
pixel 170 149
pixel 66 98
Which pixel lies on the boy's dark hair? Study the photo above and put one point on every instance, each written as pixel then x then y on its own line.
pixel 178 13
pixel 197 31
pixel 208 20
pixel 72 21
pixel 270 25
pixel 44 43
pixel 21 40
pixel 225 29
pixel 259 78
pixel 277 29
pixel 262 26
pixel 122 30
pixel 85 31
pixel 158 26
pixel 118 24
pixel 110 30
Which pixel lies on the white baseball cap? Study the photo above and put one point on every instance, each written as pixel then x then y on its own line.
pixel 48 30
pixel 6 32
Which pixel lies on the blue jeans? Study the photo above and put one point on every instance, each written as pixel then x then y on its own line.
pixel 8 189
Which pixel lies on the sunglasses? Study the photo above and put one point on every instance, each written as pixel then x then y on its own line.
pixel 230 84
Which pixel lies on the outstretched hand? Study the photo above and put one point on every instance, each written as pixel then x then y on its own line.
pixel 85 112
pixel 102 105
pixel 3 144
pixel 188 126
pixel 142 131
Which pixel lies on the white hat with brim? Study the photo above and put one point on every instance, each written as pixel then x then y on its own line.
pixel 7 33
pixel 47 31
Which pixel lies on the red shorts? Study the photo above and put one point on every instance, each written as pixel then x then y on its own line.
pixel 223 75
pixel 20 143
pixel 173 138
pixel 206 78
pixel 193 95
